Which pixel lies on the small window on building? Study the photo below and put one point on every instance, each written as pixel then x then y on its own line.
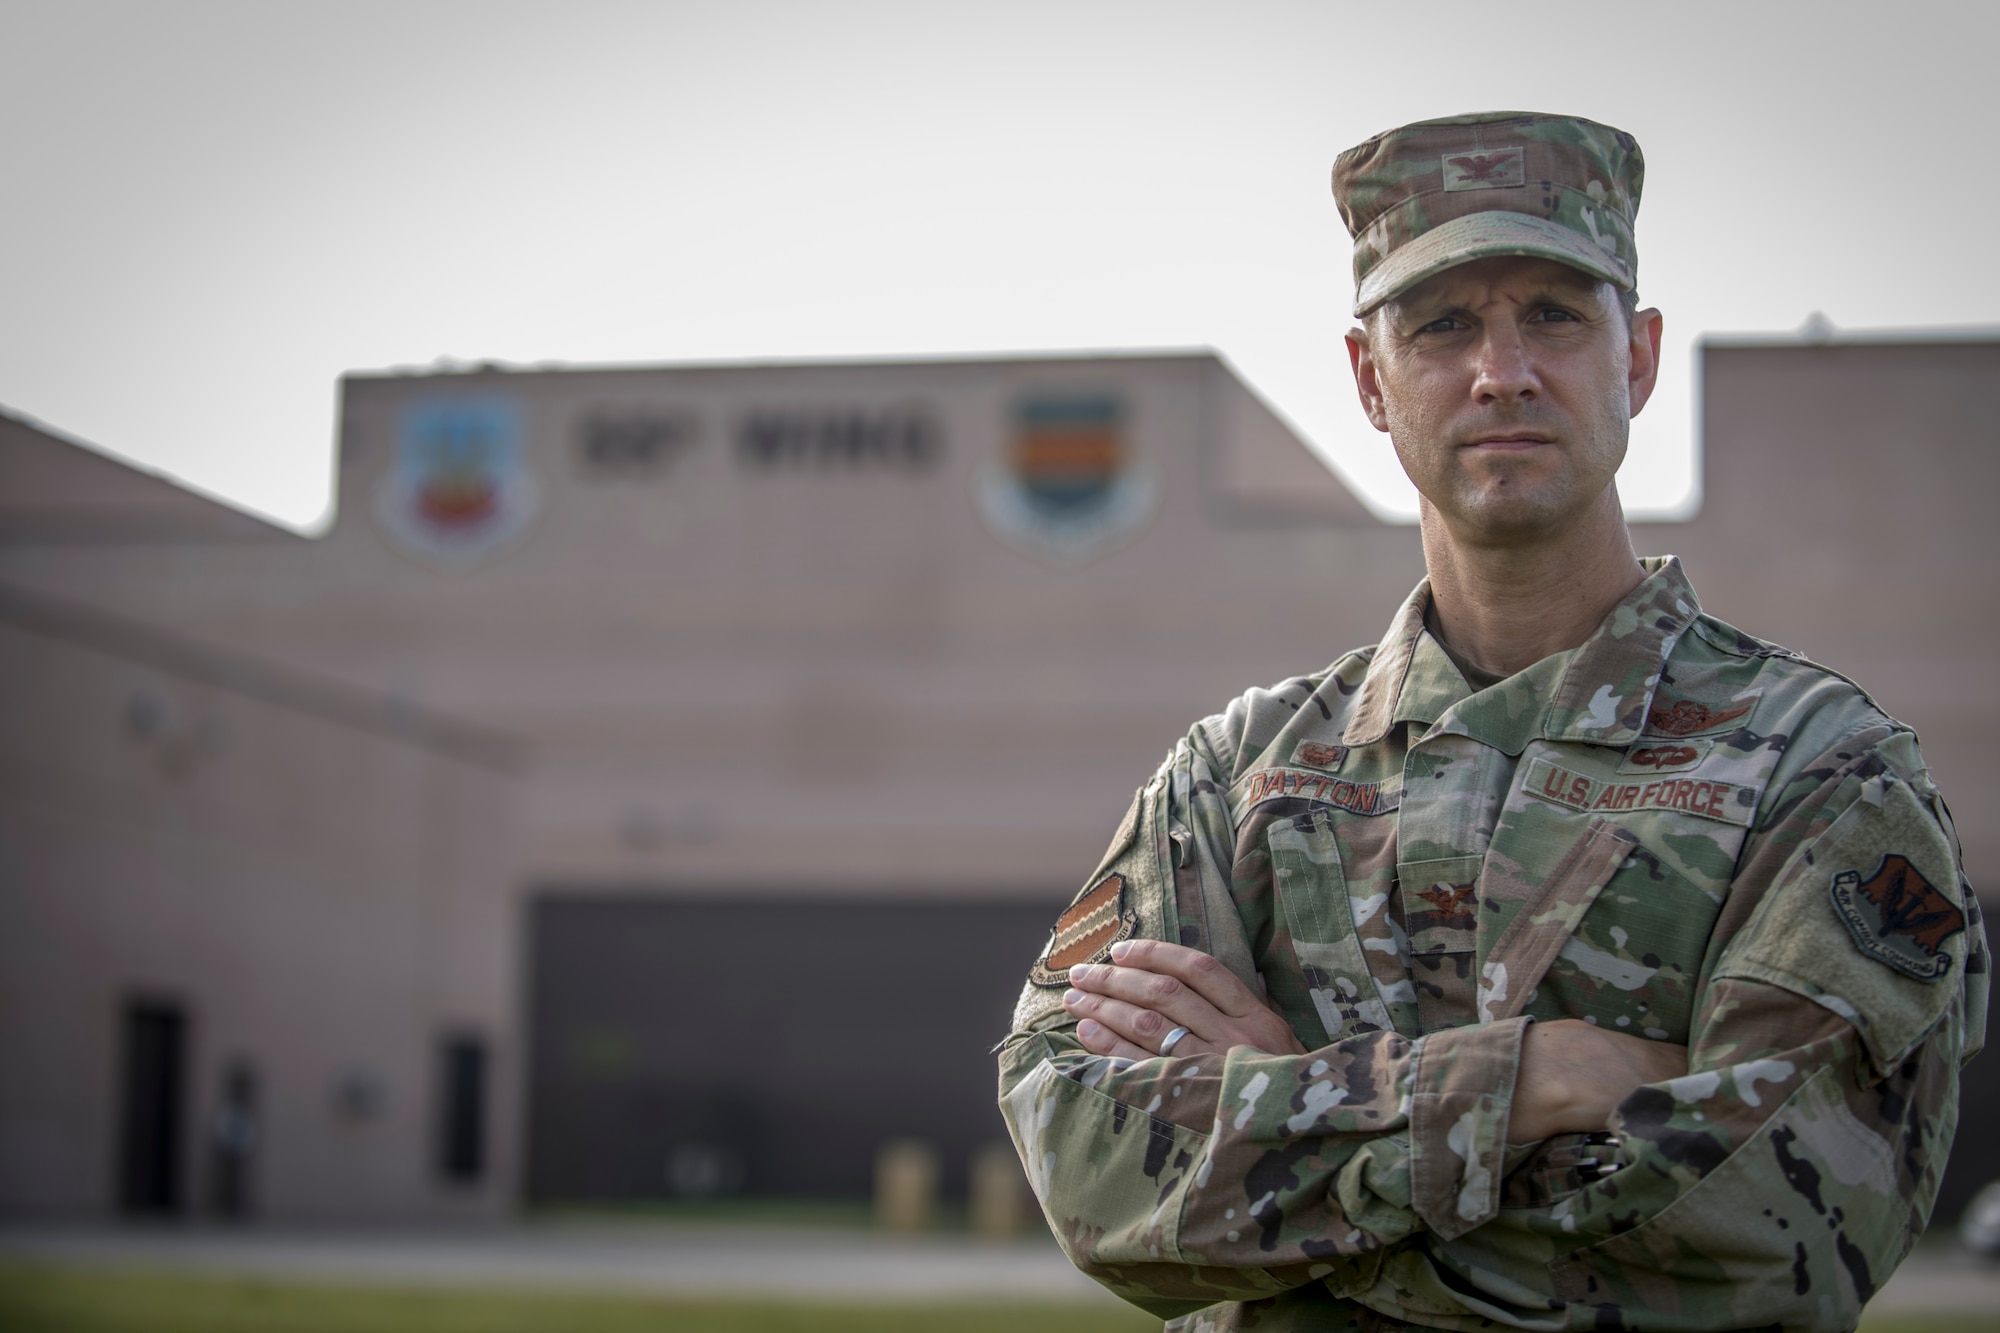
pixel 462 1109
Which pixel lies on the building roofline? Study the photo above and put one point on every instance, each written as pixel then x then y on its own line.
pixel 927 361
pixel 122 520
pixel 1826 335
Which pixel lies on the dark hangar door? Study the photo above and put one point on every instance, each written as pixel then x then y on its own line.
pixel 701 1047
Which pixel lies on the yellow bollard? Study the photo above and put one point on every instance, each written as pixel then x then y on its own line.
pixel 906 1184
pixel 997 1191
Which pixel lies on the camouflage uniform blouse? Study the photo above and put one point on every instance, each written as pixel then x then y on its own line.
pixel 1673 830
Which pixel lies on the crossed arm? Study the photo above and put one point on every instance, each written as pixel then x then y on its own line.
pixel 1572 1074
pixel 1805 1146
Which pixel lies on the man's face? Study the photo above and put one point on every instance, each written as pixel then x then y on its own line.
pixel 1507 386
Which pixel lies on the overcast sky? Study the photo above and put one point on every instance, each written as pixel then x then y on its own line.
pixel 212 210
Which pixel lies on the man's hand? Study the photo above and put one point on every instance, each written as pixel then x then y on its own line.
pixel 1129 1005
pixel 1574 1074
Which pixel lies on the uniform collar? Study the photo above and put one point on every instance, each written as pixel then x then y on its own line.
pixel 1597 693
pixel 1375 708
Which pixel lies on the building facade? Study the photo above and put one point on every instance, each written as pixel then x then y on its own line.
pixel 258 954
pixel 808 692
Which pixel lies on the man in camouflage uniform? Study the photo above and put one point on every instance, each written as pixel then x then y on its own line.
pixel 1570 960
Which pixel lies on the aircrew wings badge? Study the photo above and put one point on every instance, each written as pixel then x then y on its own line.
pixel 1085 932
pixel 1691 717
pixel 1898 917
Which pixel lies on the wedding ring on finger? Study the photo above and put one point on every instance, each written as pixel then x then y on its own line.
pixel 1173 1040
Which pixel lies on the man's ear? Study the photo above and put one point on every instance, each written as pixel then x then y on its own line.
pixel 1645 352
pixel 1362 359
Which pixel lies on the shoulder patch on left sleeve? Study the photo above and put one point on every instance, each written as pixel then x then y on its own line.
pixel 1085 932
pixel 1898 917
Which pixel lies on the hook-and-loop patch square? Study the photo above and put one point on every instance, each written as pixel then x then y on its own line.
pixel 1085 932
pixel 1898 917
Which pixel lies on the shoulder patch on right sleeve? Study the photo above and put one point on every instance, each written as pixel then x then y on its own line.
pixel 1085 932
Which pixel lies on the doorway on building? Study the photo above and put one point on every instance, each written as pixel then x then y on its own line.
pixel 155 1048
pixel 461 1114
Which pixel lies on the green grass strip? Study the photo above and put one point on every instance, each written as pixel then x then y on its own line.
pixel 43 1298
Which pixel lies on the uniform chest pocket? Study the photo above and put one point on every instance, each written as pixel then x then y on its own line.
pixel 1343 936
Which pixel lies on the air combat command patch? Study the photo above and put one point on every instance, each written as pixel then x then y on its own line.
pixel 1898 917
pixel 1085 932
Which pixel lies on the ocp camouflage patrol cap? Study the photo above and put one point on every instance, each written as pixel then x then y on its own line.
pixel 1424 197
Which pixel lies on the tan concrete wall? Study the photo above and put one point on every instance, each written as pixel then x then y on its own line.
pixel 813 679
pixel 823 678
pixel 324 897
pixel 1849 492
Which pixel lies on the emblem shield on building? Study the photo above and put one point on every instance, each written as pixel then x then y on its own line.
pixel 1067 486
pixel 458 490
